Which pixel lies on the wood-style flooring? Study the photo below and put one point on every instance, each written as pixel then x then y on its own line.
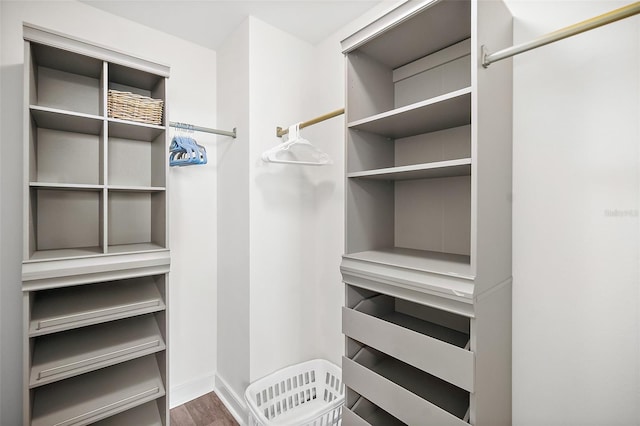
pixel 207 410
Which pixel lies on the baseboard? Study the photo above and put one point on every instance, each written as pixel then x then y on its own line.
pixel 234 402
pixel 191 390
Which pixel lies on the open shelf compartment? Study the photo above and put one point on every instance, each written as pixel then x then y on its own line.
pixel 78 306
pixel 434 61
pixel 66 354
pixel 94 396
pixel 428 215
pixel 137 155
pixel 65 222
pixel 65 80
pixel 407 330
pixel 137 220
pixel 144 415
pixel 405 392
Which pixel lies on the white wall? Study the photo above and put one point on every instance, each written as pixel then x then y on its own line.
pixel 233 221
pixel 282 206
pixel 576 310
pixel 192 94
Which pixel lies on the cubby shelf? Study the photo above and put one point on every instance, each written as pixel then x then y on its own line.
pixel 97 395
pixel 62 355
pixel 68 308
pixel 442 112
pixel 461 167
pixel 68 121
pixel 65 186
pixel 143 415
pixel 134 130
pixel 419 260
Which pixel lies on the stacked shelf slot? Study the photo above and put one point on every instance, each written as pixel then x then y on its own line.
pixel 97 395
pixel 143 415
pixel 66 354
pixel 362 412
pixel 405 392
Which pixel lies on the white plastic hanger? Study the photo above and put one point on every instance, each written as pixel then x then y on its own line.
pixel 296 150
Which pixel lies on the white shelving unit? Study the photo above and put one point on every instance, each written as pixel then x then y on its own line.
pixel 96 251
pixel 427 262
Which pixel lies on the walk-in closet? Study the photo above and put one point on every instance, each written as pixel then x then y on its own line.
pixel 306 213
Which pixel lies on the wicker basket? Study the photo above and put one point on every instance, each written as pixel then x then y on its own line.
pixel 133 107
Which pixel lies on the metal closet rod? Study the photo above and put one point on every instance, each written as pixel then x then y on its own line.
pixel 280 132
pixel 571 30
pixel 202 129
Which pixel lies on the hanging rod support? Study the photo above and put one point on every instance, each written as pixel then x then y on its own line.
pixel 590 24
pixel 203 129
pixel 280 132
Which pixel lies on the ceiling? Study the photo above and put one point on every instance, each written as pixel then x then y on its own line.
pixel 209 22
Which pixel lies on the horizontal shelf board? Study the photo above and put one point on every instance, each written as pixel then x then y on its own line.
pixel 62 355
pixel 66 253
pixel 421 260
pixel 97 395
pixel 125 188
pixel 134 248
pixel 66 186
pixel 408 339
pixel 429 388
pixel 442 112
pixel 403 391
pixel 73 307
pixel 440 169
pixel 57 119
pixel 133 130
pixel 143 415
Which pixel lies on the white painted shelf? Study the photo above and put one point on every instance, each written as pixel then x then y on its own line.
pixel 420 260
pixel 97 395
pixel 144 415
pixel 442 112
pixel 125 188
pixel 396 386
pixel 59 356
pixel 133 130
pixel 68 121
pixel 73 307
pixel 440 169
pixel 65 186
pixel 134 248
pixel 70 253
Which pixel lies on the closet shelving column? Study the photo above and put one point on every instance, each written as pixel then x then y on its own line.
pixel 427 263
pixel 96 252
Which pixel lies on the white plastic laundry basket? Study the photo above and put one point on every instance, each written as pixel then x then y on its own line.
pixel 306 394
